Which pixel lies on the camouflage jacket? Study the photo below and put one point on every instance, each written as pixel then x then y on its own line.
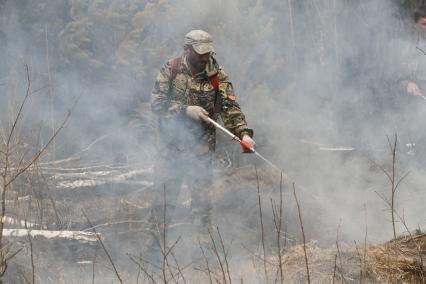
pixel 178 130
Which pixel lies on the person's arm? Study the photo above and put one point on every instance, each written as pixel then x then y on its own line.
pixel 232 116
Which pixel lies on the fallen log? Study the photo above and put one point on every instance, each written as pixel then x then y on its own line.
pixel 49 234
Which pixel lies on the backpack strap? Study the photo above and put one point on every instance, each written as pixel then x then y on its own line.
pixel 214 80
pixel 175 65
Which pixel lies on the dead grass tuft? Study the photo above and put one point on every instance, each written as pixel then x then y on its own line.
pixel 398 260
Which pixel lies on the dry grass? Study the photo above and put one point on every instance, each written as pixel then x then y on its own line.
pixel 321 263
pixel 391 262
pixel 398 260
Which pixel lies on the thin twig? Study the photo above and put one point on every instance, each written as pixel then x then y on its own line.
pixel 146 261
pixel 31 255
pixel 174 244
pixel 400 180
pixel 94 263
pixel 207 262
pixel 178 267
pixel 217 256
pixel 5 175
pixel 51 93
pixel 365 236
pixel 418 247
pixel 37 156
pixel 421 50
pixel 139 271
pixel 393 189
pixel 18 115
pixel 394 184
pixel 335 268
pixel 383 198
pixel 360 263
pixel 338 252
pixel 262 231
pixel 165 251
pixel 103 247
pixel 257 256
pixel 164 235
pixel 224 254
pixel 141 267
pixel 6 258
pixel 303 234
pixel 53 203
pixel 279 230
pixel 278 225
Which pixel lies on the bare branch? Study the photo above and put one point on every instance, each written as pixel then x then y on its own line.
pixel 338 251
pixel 383 198
pixel 360 263
pixel 31 255
pixel 94 263
pixel 224 254
pixel 217 256
pixel 207 262
pixel 257 256
pixel 178 267
pixel 9 257
pixel 421 50
pixel 262 231
pixel 382 169
pixel 37 156
pixel 143 269
pixel 279 231
pixel 171 248
pixel 303 234
pixel 146 261
pixel 18 115
pixel 400 180
pixel 335 268
pixel 365 236
pixel 418 247
pixel 103 247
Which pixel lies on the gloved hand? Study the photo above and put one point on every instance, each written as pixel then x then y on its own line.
pixel 414 89
pixel 196 112
pixel 248 141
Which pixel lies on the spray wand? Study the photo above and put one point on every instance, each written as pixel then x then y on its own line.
pixel 243 144
pixel 248 146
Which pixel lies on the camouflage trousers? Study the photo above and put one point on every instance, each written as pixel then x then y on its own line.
pixel 171 172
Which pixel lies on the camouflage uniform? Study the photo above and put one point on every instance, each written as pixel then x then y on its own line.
pixel 186 145
pixel 196 90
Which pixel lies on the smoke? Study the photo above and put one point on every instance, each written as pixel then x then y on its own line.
pixel 319 81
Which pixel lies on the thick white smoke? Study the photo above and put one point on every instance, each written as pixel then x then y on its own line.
pixel 318 80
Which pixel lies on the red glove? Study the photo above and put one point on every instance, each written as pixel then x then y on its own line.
pixel 247 143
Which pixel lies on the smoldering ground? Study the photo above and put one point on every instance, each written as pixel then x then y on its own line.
pixel 316 80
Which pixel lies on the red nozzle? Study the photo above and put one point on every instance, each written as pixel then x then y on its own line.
pixel 246 145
